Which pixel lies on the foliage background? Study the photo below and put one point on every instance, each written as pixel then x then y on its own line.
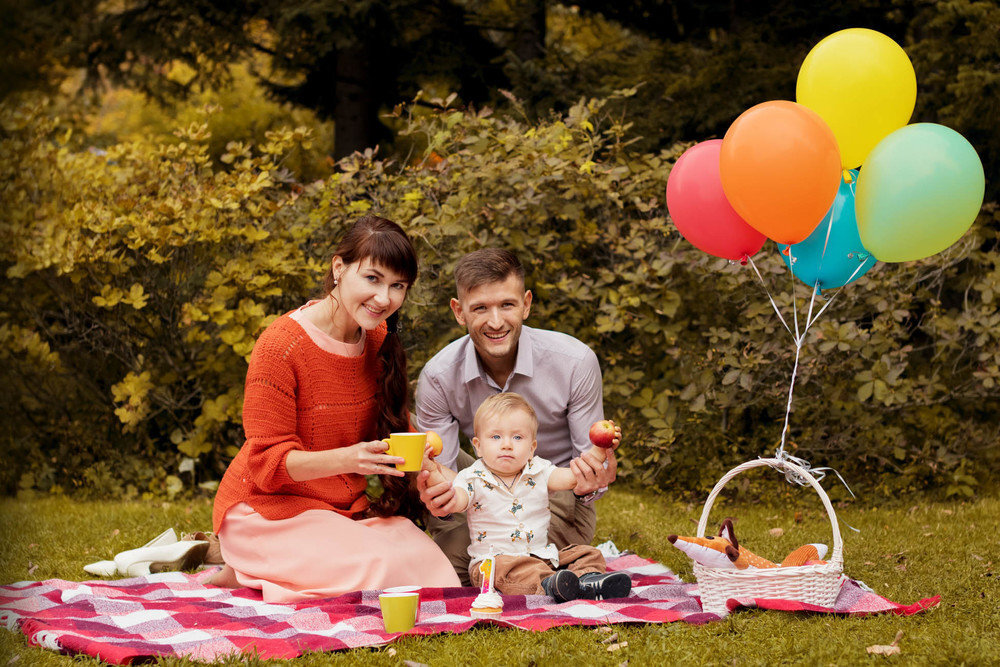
pixel 144 246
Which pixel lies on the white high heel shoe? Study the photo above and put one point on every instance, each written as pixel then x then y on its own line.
pixel 107 568
pixel 184 555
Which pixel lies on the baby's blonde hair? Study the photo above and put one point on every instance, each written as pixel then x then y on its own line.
pixel 498 405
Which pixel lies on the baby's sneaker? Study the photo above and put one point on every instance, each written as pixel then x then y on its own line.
pixel 597 586
pixel 562 586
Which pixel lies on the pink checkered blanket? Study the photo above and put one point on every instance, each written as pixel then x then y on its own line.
pixel 173 614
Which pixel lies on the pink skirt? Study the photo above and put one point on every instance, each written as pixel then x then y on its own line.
pixel 320 553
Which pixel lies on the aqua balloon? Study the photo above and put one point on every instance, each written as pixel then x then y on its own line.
pixel 833 252
pixel 920 190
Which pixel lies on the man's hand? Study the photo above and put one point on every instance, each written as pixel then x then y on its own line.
pixel 437 498
pixel 591 474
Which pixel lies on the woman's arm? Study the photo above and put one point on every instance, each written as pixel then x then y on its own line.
pixel 364 458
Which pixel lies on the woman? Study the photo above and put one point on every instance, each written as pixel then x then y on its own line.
pixel 325 383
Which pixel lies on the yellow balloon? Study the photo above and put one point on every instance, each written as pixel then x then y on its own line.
pixel 862 84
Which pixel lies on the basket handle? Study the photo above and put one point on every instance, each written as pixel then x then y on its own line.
pixel 778 464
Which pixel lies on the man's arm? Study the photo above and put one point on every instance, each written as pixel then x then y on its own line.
pixel 586 406
pixel 434 414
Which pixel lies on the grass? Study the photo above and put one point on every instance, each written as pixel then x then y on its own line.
pixel 908 550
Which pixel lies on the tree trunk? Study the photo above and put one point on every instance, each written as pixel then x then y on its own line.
pixel 355 113
pixel 529 40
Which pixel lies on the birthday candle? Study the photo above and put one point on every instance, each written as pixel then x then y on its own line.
pixel 486 569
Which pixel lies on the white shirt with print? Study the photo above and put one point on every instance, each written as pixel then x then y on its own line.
pixel 506 521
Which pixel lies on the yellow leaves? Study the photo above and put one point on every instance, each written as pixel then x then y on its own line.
pixel 132 396
pixel 112 296
pixel 16 340
pixel 136 297
pixel 109 297
pixel 195 132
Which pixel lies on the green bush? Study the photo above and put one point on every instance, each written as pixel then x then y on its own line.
pixel 137 280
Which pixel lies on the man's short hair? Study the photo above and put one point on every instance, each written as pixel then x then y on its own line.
pixel 485 266
pixel 501 404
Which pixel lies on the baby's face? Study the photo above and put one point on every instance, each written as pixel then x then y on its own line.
pixel 506 442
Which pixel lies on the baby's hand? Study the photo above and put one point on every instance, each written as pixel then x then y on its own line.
pixel 433 467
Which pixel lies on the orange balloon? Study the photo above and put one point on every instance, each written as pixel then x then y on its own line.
pixel 780 169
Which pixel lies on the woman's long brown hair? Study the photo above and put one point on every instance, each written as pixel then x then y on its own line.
pixel 386 244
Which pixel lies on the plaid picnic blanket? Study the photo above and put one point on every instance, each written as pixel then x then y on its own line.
pixel 173 614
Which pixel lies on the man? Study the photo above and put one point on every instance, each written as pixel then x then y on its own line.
pixel 558 375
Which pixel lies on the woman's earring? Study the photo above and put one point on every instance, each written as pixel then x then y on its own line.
pixel 335 281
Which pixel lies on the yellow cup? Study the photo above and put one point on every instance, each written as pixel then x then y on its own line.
pixel 399 610
pixel 409 446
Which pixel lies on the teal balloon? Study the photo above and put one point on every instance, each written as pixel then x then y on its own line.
pixel 827 263
pixel 920 190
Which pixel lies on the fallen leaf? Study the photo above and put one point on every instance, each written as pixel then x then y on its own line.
pixel 868 562
pixel 13 659
pixel 777 532
pixel 883 649
pixel 617 647
pixel 947 512
pixel 390 652
pixel 928 534
pixel 32 545
pixel 31 568
pixel 901 567
pixel 412 663
pixel 603 628
pixel 613 637
pixel 913 509
pixel 623 663
pixel 642 506
pixel 798 517
pixel 976 556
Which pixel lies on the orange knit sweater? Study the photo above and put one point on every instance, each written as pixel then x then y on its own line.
pixel 299 396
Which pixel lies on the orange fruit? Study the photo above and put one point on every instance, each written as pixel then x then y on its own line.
pixel 434 440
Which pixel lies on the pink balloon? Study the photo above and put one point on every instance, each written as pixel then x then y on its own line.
pixel 700 209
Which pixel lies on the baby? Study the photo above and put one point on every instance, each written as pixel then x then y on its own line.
pixel 505 494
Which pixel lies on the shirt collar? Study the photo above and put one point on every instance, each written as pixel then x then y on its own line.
pixel 529 470
pixel 472 367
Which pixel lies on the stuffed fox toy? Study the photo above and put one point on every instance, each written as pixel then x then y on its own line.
pixel 724 551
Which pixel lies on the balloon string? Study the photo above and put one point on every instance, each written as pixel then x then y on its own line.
pixel 861 265
pixel 769 297
pixel 799 340
pixel 820 472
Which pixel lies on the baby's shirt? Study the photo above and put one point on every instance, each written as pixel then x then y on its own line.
pixel 512 521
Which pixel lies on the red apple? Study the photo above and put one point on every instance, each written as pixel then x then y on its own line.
pixel 602 433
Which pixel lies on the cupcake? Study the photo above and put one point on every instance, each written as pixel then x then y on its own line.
pixel 487 605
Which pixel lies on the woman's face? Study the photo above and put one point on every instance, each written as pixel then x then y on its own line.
pixel 368 293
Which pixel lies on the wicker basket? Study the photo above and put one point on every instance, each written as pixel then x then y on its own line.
pixel 814 584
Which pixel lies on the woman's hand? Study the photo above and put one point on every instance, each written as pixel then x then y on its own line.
pixel 369 458
pixel 363 458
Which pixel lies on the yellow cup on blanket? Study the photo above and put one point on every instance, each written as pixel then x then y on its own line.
pixel 399 610
pixel 409 446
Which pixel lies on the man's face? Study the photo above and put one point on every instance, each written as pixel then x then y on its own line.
pixel 493 314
